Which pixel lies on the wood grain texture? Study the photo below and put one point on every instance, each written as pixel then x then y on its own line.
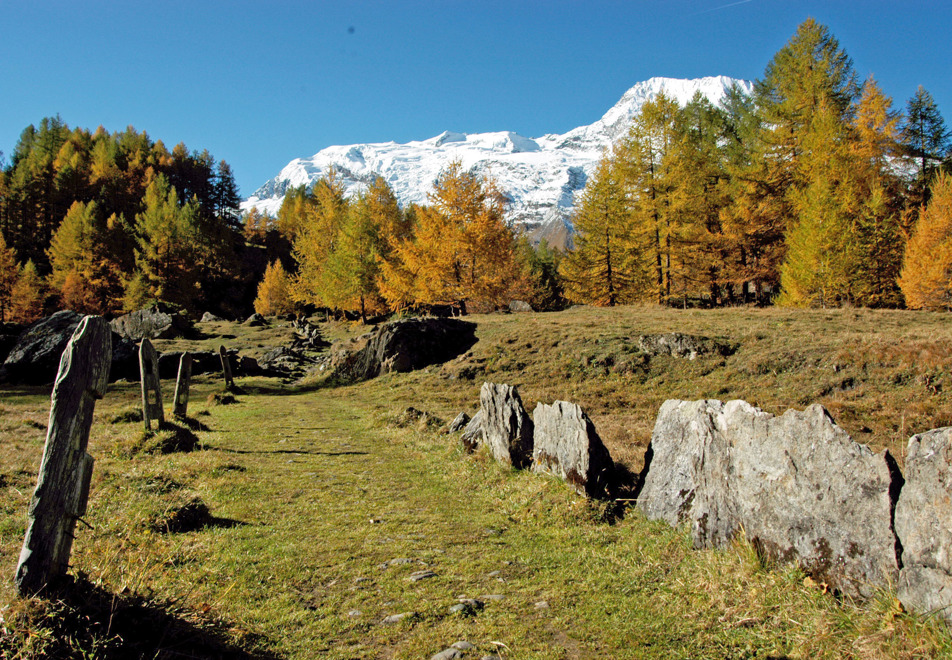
pixel 66 469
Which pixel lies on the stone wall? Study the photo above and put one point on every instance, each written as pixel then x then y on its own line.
pixel 795 485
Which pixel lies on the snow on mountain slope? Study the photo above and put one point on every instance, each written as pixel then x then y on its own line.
pixel 541 176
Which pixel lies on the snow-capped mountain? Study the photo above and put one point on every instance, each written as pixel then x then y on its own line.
pixel 541 176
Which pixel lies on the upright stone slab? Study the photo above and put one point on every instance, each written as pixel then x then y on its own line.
pixel 472 435
pixel 507 427
pixel 226 368
pixel 182 384
pixel 687 477
pixel 805 492
pixel 566 445
pixel 924 524
pixel 66 469
pixel 797 485
pixel 152 408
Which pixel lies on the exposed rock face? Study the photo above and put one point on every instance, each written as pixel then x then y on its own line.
pixel 507 427
pixel 797 485
pixel 923 516
pixel 566 445
pixel 688 472
pixel 402 346
pixel 156 322
pixel 9 333
pixel 35 357
pixel 520 306
pixel 680 345
pixel 208 317
pixel 256 320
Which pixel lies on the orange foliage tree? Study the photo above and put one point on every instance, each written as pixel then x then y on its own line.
pixel 926 279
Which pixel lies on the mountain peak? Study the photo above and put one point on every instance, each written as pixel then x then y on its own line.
pixel 541 176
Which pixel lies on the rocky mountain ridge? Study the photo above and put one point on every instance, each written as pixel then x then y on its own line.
pixel 541 176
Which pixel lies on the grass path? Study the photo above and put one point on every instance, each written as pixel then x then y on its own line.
pixel 326 506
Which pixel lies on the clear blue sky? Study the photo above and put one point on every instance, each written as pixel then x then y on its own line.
pixel 260 83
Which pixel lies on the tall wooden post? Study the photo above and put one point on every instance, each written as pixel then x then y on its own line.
pixel 182 383
pixel 151 393
pixel 62 487
pixel 226 368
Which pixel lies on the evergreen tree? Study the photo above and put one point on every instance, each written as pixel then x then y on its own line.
pixel 226 200
pixel 926 279
pixel 924 133
pixel 545 288
pixel 169 255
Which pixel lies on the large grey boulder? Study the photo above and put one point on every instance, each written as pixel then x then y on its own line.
pixel 507 427
pixel 566 445
pixel 402 346
pixel 924 524
pixel 686 478
pixel 159 321
pixel 797 486
pixel 34 359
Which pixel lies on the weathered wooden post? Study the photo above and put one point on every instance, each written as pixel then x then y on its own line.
pixel 62 487
pixel 226 368
pixel 180 402
pixel 151 393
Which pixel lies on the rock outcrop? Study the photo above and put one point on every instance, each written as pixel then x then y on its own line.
pixel 160 321
pixel 924 524
pixel 34 358
pixel 679 345
pixel 796 485
pixel 566 445
pixel 507 427
pixel 402 346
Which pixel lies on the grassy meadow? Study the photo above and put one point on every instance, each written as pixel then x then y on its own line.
pixel 300 520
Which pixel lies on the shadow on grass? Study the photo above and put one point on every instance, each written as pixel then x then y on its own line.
pixel 190 516
pixel 77 619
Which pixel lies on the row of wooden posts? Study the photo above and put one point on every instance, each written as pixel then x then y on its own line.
pixel 62 487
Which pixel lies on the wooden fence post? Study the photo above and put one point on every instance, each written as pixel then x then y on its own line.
pixel 226 368
pixel 151 393
pixel 62 487
pixel 182 383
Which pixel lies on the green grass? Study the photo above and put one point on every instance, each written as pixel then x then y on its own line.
pixel 312 493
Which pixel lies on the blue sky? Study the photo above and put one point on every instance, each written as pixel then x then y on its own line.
pixel 258 84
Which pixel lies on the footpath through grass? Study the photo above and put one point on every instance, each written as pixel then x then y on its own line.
pixel 325 506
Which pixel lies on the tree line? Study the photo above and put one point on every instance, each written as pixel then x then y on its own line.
pixel 103 222
pixel 811 191
pixel 368 256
